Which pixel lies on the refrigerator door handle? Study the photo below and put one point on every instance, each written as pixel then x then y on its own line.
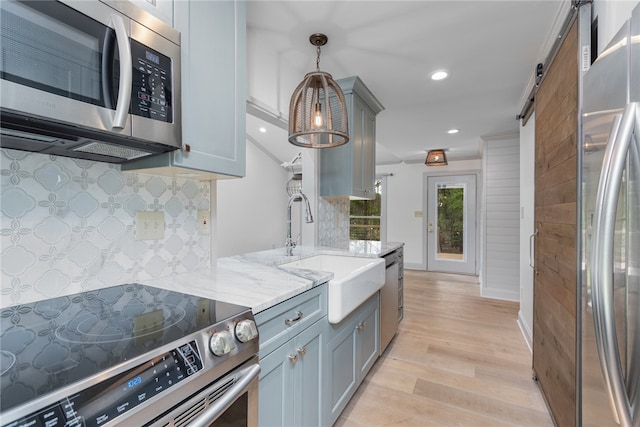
pixel 602 263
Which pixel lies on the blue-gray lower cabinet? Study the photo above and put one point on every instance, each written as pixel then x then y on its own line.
pixel 292 360
pixel 352 350
pixel 291 381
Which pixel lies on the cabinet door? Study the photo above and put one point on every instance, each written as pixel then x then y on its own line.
pixel 309 376
pixel 358 145
pixel 341 370
pixel 213 61
pixel 275 405
pixel 368 339
pixel 369 153
pixel 214 85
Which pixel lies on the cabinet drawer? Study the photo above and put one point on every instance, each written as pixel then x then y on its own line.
pixel 283 321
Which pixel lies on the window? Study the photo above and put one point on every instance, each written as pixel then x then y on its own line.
pixel 365 216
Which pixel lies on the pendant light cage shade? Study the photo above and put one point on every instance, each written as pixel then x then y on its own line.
pixel 436 158
pixel 318 113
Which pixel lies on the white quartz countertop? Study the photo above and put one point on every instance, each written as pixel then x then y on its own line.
pixel 255 280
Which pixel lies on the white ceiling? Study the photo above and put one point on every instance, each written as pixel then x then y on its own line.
pixel 489 48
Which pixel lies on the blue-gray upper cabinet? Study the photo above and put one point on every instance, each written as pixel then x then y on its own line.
pixel 213 50
pixel 349 170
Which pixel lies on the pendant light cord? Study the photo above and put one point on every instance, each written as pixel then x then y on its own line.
pixel 318 58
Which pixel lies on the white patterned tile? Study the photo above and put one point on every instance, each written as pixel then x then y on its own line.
pixel 155 186
pixel 111 182
pixel 83 204
pixel 84 253
pixel 51 230
pixel 76 218
pixel 51 176
pixel 111 228
pixel 52 284
pixel 156 266
pixel 174 207
pixel 16 202
pixel 191 189
pixel 16 260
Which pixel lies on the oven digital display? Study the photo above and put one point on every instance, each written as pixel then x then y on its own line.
pixel 109 399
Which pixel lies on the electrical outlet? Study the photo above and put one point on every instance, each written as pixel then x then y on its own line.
pixel 149 225
pixel 204 226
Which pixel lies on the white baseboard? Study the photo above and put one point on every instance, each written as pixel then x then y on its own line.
pixel 413 266
pixel 505 294
pixel 526 331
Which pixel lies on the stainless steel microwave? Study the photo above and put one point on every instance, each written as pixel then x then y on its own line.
pixel 97 80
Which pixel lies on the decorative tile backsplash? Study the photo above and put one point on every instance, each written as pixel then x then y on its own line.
pixel 333 222
pixel 68 225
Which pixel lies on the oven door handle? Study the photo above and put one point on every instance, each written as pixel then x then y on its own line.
pixel 245 377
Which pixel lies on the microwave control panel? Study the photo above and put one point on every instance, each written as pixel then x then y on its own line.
pixel 152 83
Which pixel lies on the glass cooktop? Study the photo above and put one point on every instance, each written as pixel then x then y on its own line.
pixel 50 344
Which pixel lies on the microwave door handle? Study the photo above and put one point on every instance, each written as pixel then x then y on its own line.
pixel 126 73
pixel 602 263
pixel 108 55
pixel 213 412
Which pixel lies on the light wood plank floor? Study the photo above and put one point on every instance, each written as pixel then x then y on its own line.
pixel 458 360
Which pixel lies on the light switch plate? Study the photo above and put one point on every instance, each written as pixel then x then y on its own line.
pixel 417 214
pixel 149 225
pixel 204 226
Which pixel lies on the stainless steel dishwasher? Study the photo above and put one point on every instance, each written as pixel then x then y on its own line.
pixel 391 297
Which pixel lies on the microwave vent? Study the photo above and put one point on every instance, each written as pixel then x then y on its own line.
pixel 111 150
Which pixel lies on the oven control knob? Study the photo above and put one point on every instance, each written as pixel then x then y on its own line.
pixel 246 330
pixel 222 343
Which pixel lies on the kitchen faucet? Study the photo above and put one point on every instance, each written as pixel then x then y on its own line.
pixel 290 243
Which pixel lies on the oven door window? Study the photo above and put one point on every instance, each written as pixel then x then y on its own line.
pixel 236 415
pixel 49 46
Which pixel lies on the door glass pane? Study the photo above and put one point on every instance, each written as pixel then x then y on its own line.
pixel 450 222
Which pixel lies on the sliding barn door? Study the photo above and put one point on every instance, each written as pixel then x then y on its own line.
pixel 554 295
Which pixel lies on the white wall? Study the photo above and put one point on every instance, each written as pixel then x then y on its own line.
pixel 252 211
pixel 527 206
pixel 501 267
pixel 405 197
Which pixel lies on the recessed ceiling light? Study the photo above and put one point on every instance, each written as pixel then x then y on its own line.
pixel 452 131
pixel 263 129
pixel 439 75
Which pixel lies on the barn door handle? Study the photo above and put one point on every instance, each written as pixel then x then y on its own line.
pixel 532 242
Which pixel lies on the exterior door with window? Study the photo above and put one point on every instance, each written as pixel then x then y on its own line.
pixel 451 224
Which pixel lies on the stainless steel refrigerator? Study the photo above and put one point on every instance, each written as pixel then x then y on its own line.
pixel 610 234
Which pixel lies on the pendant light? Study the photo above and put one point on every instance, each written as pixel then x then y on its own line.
pixel 318 112
pixel 436 158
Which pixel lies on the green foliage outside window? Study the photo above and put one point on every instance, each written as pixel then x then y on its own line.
pixel 451 220
pixel 364 223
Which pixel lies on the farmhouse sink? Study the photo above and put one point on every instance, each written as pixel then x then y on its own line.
pixel 354 280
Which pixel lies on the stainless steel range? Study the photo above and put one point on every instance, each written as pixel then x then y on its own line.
pixel 128 355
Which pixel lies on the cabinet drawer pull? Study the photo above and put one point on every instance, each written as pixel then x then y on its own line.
pixel 293 358
pixel 360 326
pixel 302 351
pixel 295 319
